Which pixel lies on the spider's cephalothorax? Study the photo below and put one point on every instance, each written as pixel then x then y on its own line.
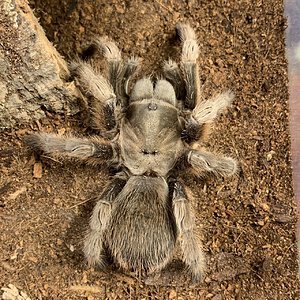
pixel 150 132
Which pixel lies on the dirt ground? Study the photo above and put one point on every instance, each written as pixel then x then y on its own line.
pixel 247 223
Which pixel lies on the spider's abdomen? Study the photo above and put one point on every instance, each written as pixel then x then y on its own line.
pixel 150 137
pixel 141 234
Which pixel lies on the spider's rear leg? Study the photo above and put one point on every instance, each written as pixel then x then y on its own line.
pixel 190 53
pixel 91 151
pixel 206 163
pixel 191 247
pixel 94 239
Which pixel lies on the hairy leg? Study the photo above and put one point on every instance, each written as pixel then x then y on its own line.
pixel 206 163
pixel 113 56
pixel 194 131
pixel 173 74
pixel 94 239
pixel 191 247
pixel 190 53
pixel 96 86
pixel 129 69
pixel 204 113
pixel 207 111
pixel 119 73
pixel 89 150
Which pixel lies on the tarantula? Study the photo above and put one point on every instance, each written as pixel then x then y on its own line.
pixel 151 132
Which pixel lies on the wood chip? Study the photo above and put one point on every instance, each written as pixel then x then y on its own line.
pixel 7 266
pixel 17 193
pixel 172 294
pixel 12 293
pixel 37 170
pixel 126 279
pixel 61 131
pixel 265 206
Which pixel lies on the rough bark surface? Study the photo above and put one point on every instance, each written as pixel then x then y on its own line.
pixel 33 76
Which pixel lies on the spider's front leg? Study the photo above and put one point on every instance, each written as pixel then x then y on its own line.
pixel 106 94
pixel 203 111
pixel 119 73
pixel 95 86
pixel 191 247
pixel 92 151
pixel 190 53
pixel 93 242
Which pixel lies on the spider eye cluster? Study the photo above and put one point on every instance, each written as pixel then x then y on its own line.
pixel 150 152
pixel 152 106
